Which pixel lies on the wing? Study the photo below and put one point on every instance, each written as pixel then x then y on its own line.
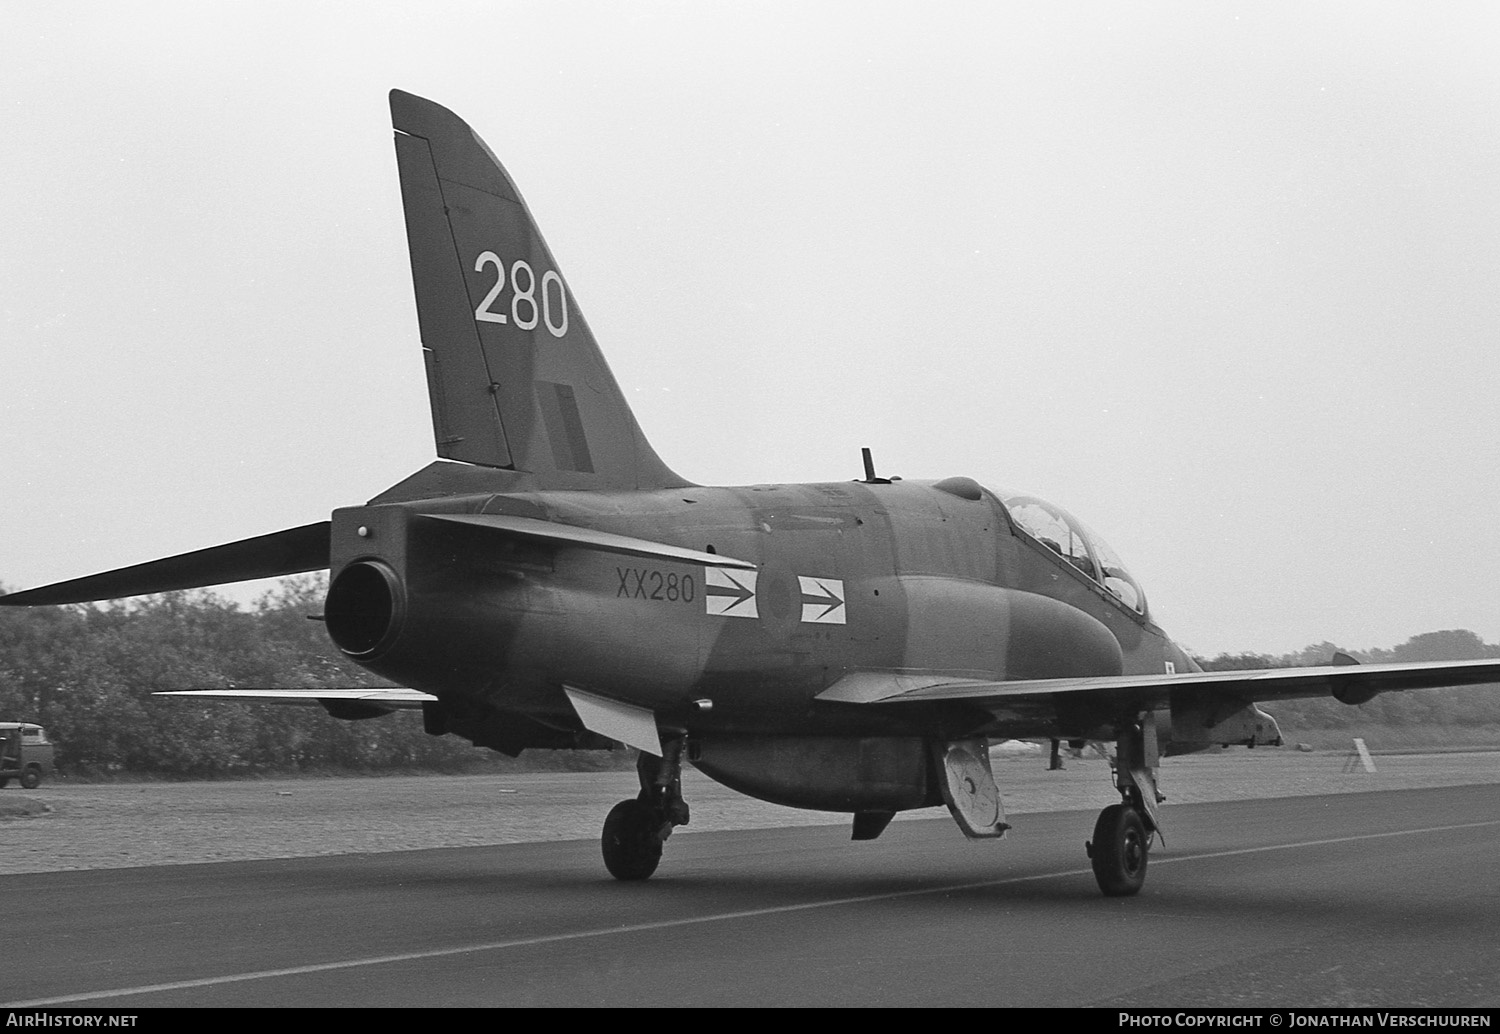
pixel 1351 683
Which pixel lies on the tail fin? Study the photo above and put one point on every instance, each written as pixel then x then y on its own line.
pixel 515 377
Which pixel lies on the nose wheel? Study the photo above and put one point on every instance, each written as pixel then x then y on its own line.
pixel 1118 851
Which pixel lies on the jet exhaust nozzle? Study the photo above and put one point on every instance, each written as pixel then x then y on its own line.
pixel 366 608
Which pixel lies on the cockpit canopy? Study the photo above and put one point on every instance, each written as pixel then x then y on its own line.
pixel 1072 540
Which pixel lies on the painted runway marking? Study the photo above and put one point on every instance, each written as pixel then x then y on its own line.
pixel 667 924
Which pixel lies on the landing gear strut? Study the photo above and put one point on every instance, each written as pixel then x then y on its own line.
pixel 636 828
pixel 1124 832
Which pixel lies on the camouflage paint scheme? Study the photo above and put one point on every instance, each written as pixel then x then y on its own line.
pixel 550 582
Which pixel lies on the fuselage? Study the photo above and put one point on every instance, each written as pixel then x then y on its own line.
pixel 919 578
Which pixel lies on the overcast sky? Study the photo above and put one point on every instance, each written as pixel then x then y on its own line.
pixel 1223 279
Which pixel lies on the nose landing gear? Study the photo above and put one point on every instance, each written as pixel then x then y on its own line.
pixel 1124 831
pixel 1118 851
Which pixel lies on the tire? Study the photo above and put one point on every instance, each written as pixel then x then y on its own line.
pixel 31 779
pixel 632 849
pixel 1119 850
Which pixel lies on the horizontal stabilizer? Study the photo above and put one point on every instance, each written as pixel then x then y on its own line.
pixel 1344 681
pixel 380 696
pixel 292 551
pixel 588 538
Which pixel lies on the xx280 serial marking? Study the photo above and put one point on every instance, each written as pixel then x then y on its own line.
pixel 647 584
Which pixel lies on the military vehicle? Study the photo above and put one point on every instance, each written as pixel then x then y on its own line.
pixel 25 754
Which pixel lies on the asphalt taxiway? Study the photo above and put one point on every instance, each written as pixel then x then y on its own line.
pixel 1384 898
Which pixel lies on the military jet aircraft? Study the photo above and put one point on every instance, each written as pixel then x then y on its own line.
pixel 851 646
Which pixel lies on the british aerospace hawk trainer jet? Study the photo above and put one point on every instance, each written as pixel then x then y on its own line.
pixel 851 647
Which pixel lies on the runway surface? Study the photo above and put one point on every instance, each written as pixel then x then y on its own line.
pixel 1385 898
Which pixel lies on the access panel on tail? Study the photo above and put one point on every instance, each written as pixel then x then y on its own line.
pixel 515 377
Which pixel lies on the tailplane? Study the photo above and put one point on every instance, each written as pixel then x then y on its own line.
pixel 514 375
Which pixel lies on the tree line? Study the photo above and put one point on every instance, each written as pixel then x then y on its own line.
pixel 87 673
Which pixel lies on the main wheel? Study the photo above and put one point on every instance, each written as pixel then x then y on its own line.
pixel 632 848
pixel 1118 851
pixel 31 779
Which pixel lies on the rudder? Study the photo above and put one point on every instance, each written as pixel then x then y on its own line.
pixel 514 375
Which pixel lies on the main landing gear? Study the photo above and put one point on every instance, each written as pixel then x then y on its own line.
pixel 636 828
pixel 1124 832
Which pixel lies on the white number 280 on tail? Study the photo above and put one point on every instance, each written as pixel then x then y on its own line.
pixel 525 309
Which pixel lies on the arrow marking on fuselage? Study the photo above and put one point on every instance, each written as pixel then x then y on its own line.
pixel 730 593
pixel 822 600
